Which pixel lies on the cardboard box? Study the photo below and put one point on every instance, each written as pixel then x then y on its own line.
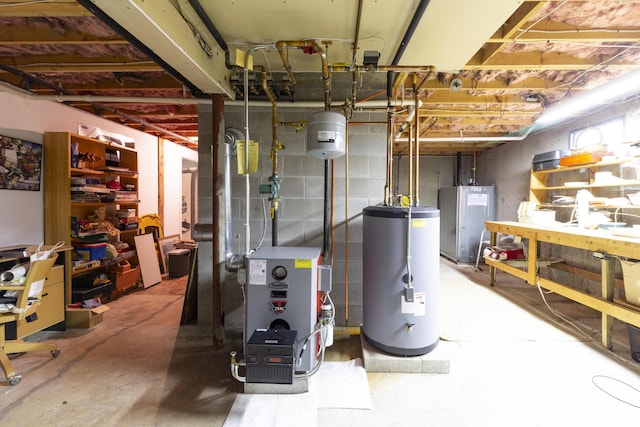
pixel 85 318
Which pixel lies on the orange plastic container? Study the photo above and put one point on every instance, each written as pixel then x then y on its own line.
pixel 581 159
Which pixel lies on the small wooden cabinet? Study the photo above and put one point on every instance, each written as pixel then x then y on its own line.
pixel 51 312
pixel 83 175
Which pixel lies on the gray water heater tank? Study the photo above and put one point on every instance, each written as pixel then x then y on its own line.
pixel 326 133
pixel 401 318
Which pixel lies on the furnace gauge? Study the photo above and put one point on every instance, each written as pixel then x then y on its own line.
pixel 279 272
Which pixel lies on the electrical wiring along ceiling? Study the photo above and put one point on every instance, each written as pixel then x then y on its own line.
pixel 483 71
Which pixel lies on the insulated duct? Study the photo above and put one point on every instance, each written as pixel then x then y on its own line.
pixel 232 262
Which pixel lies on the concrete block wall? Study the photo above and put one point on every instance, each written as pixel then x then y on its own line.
pixel 301 207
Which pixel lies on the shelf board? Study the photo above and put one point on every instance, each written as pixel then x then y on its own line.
pixel 87 171
pixel 626 183
pixel 587 165
pixel 552 206
pixel 102 203
pixel 80 138
pixel 84 171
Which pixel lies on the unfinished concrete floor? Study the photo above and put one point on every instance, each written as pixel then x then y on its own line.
pixel 512 363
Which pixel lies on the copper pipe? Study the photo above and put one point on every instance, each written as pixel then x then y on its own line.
pixel 416 200
pixel 388 184
pixel 375 95
pixel 367 123
pixel 275 147
pixel 410 164
pixel 274 121
pixel 354 74
pixel 398 68
pixel 282 45
pixel 264 84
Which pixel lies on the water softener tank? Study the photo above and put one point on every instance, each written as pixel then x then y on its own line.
pixel 326 134
pixel 400 295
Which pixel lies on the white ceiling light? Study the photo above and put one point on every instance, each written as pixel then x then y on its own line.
pixel 603 95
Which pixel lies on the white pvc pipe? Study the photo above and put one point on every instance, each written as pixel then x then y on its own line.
pixel 247 185
pixel 320 104
pixel 472 138
pixel 4 87
pixel 188 101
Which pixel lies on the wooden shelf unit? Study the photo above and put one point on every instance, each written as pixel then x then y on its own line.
pixel 545 184
pixel 58 206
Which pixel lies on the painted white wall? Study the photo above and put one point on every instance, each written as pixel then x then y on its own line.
pixel 21 218
pixel 172 214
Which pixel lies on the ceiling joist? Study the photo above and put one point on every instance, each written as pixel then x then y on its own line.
pixel 527 55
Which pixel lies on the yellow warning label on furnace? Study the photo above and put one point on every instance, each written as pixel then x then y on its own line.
pixel 418 223
pixel 303 263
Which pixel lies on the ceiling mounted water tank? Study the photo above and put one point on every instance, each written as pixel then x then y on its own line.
pixel 326 135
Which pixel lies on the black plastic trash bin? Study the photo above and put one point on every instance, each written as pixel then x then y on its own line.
pixel 179 262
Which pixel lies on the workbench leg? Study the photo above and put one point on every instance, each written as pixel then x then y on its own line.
pixel 608 285
pixel 492 269
pixel 532 262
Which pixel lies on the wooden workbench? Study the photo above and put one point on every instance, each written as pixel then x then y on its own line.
pixel 597 241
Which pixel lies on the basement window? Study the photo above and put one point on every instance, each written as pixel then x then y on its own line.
pixel 609 133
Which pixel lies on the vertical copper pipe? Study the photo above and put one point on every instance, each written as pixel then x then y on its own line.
pixel 410 164
pixel 388 189
pixel 275 147
pixel 416 117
